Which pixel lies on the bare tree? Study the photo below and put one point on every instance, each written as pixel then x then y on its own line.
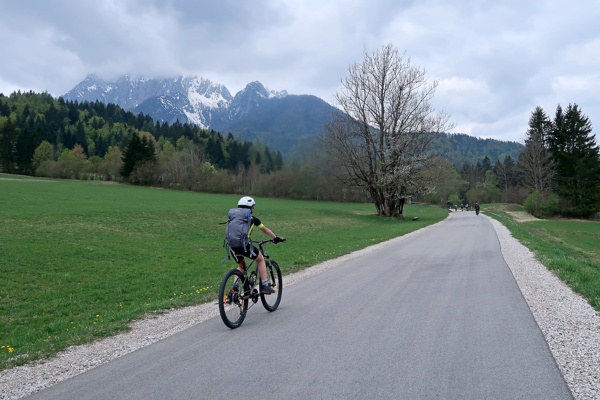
pixel 535 164
pixel 445 182
pixel 185 167
pixel 505 171
pixel 381 141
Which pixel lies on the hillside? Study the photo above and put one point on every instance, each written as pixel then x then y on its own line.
pixel 283 123
pixel 461 148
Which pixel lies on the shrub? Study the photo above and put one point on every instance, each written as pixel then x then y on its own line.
pixel 542 205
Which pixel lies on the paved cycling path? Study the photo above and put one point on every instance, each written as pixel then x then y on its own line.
pixel 438 316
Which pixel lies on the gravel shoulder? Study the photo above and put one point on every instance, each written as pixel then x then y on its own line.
pixel 571 327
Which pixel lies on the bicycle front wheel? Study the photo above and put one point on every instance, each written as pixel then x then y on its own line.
pixel 271 301
pixel 233 301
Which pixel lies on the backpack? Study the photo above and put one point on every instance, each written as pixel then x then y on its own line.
pixel 238 226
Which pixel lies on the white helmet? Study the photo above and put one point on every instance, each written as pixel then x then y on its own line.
pixel 246 202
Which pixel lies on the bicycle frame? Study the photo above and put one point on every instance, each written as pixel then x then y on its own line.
pixel 238 290
pixel 250 273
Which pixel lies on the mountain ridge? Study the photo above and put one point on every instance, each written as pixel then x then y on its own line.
pixel 194 97
pixel 251 113
pixel 281 120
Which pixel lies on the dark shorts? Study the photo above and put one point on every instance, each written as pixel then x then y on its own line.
pixel 239 254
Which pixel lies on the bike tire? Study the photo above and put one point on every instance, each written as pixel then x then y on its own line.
pixel 232 303
pixel 271 301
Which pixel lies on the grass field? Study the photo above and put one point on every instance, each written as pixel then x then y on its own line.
pixel 569 248
pixel 80 260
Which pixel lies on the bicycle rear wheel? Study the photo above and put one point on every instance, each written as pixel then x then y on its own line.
pixel 271 301
pixel 233 304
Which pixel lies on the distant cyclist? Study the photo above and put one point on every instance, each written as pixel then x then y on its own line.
pixel 243 219
pixel 477 208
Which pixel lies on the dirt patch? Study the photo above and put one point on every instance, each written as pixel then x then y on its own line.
pixel 521 216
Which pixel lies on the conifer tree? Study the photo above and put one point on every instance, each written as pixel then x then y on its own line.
pixel 534 164
pixel 139 150
pixel 486 165
pixel 575 152
pixel 8 147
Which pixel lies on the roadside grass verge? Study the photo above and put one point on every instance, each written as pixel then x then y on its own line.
pixel 80 260
pixel 569 248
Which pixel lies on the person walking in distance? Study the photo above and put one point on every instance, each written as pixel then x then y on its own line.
pixel 239 228
pixel 477 208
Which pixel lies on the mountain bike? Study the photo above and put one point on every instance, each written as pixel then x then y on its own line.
pixel 238 291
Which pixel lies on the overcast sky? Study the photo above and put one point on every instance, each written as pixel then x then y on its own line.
pixel 495 60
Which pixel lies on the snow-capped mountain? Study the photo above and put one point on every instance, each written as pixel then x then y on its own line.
pixel 281 120
pixel 189 99
pixel 251 97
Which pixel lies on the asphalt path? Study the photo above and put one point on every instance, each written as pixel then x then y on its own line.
pixel 437 316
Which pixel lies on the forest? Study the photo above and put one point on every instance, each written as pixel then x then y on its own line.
pixel 45 136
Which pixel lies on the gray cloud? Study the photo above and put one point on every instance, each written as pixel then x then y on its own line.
pixel 495 62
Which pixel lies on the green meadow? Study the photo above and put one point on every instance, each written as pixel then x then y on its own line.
pixel 569 248
pixel 80 260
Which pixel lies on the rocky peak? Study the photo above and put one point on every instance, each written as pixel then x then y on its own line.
pixel 188 99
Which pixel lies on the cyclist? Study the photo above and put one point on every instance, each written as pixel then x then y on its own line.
pixel 477 208
pixel 251 251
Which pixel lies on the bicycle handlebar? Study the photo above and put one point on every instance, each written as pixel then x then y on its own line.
pixel 261 242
